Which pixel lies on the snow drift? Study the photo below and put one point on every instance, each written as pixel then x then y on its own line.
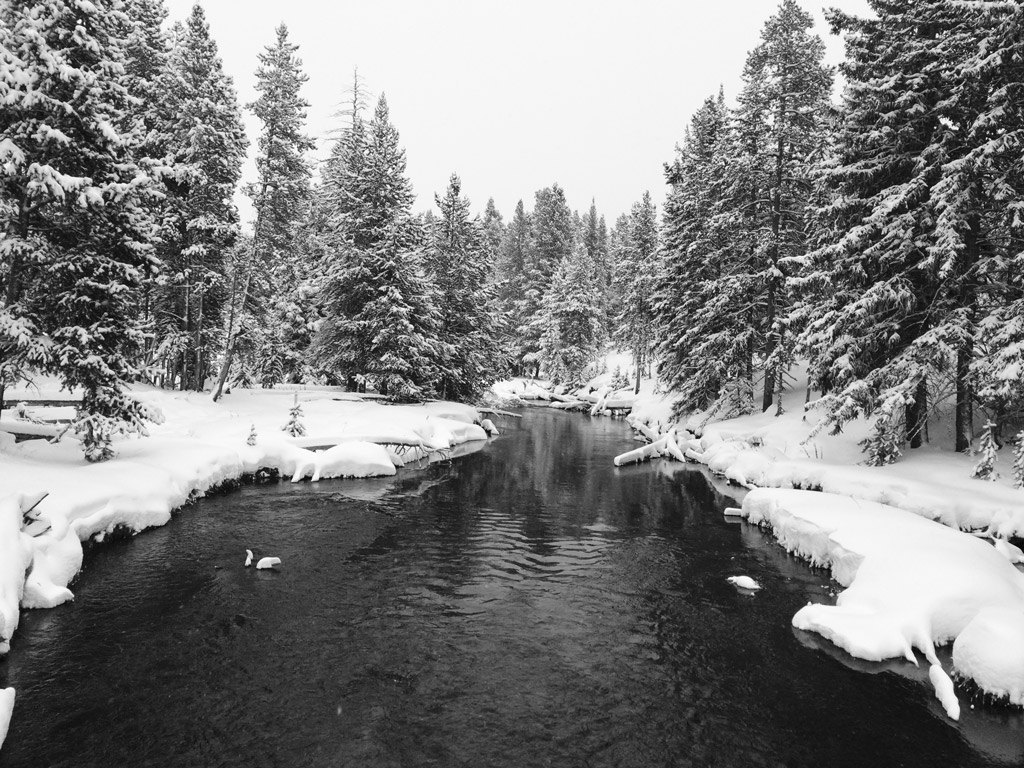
pixel 911 584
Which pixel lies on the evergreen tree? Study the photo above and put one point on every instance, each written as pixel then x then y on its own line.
pixel 572 318
pixel 985 468
pixel 75 209
pixel 635 271
pixel 552 237
pixel 458 266
pixel 281 197
pixel 295 427
pixel 789 88
pixel 208 145
pixel 493 226
pixel 898 287
pixel 1018 461
pixel 689 318
pixel 380 323
pixel 510 280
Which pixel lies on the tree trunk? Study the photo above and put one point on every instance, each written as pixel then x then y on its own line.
pixel 964 426
pixel 771 300
pixel 638 359
pixel 229 344
pixel 917 415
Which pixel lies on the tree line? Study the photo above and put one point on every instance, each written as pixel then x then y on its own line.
pixel 123 258
pixel 880 239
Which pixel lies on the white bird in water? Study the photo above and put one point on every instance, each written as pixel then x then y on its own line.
pixel 267 562
pixel 743 582
pixel 248 558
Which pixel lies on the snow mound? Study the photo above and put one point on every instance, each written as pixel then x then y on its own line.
pixel 911 583
pixel 743 582
pixel 15 558
pixel 6 708
pixel 355 459
pixel 990 651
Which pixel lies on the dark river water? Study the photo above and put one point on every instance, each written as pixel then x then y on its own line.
pixel 525 605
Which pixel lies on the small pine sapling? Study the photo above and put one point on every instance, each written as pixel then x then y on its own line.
pixel 252 435
pixel 1018 461
pixel 885 444
pixel 985 468
pixel 294 427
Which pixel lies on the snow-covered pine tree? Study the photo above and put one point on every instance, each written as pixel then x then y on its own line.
pixel 791 86
pixel 380 321
pixel 1018 461
pixel 75 187
pixel 281 197
pixel 572 319
pixel 635 277
pixel 208 144
pixel 251 440
pixel 295 427
pixel 996 376
pixel 595 240
pixel 493 227
pixel 459 268
pixel 894 316
pixel 690 270
pixel 552 237
pixel 985 469
pixel 147 52
pixel 510 276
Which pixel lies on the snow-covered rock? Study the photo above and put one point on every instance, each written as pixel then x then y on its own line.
pixel 743 582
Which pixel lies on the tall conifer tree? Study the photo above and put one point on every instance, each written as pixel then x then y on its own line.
pixel 77 227
pixel 281 197
pixel 208 144
pixel 381 322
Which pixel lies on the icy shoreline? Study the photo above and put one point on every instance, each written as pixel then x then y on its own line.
pixel 912 523
pixel 51 500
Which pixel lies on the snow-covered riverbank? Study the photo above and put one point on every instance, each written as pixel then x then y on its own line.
pixel 922 548
pixel 51 500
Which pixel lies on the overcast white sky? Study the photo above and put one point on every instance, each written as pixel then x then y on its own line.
pixel 513 95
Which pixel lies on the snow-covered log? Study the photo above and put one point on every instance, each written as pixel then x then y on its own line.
pixel 602 395
pixel 649 451
pixel 570 405
pixel 672 447
pixel 496 412
pixel 646 431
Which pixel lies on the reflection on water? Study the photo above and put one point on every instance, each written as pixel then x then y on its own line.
pixel 525 605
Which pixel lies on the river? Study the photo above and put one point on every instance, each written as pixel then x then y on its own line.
pixel 524 605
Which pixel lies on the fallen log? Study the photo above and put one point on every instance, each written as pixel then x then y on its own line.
pixel 496 412
pixel 649 451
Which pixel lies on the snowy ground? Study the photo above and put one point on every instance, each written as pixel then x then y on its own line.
pixel 51 500
pixel 920 546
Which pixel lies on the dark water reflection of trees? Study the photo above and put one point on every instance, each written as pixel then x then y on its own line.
pixel 525 604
